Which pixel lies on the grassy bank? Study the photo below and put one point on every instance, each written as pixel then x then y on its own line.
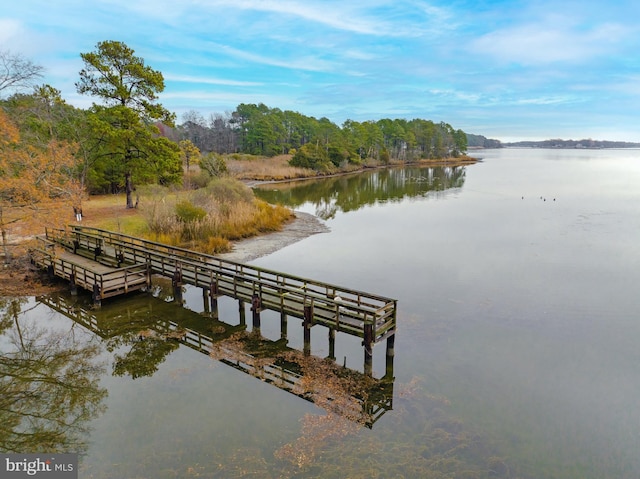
pixel 207 219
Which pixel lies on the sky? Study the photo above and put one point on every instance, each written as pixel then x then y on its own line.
pixel 511 70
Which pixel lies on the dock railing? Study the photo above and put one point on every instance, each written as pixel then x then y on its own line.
pixel 105 284
pixel 359 313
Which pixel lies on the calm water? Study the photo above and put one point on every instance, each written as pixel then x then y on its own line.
pixel 516 354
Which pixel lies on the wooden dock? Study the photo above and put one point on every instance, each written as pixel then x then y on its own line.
pixel 108 263
pixel 102 280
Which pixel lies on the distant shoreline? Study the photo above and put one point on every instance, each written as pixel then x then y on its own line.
pixel 518 147
pixel 572 144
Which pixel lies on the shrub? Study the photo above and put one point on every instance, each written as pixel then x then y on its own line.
pixel 171 239
pixel 228 190
pixel 207 219
pixel 158 209
pixel 189 213
pixel 311 155
pixel 214 164
pixel 216 244
pixel 193 180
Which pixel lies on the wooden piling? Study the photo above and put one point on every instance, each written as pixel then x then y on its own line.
pixel 389 356
pixel 213 294
pixel 176 282
pixel 255 309
pixel 72 284
pixel 205 300
pixel 391 341
pixel 307 323
pixel 242 312
pixel 97 297
pixel 332 344
pixel 283 325
pixel 368 349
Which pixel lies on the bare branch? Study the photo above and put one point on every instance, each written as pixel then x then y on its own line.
pixel 16 72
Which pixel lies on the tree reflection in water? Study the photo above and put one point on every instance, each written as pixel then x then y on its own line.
pixel 352 192
pixel 49 384
pixel 146 354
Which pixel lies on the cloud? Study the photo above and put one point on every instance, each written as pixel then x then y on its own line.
pixel 337 15
pixel 16 37
pixel 544 43
pixel 309 63
pixel 9 29
pixel 526 64
pixel 344 16
pixel 546 100
pixel 209 80
pixel 628 85
pixel 216 102
pixel 455 95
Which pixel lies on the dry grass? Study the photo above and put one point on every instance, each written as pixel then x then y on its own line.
pixel 266 169
pixel 211 217
pixel 232 219
pixel 222 224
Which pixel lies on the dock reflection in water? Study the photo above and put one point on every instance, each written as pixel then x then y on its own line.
pixel 149 328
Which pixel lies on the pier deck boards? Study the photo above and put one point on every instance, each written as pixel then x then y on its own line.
pixel 102 280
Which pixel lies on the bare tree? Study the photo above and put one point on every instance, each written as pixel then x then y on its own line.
pixel 16 72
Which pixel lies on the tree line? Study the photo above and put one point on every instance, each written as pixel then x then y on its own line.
pixel 128 138
pixel 320 143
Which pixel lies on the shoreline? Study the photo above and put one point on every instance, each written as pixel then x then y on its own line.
pixel 20 276
pixel 301 227
pixel 440 162
pixel 306 224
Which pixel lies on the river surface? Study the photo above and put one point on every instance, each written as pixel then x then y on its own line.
pixel 516 354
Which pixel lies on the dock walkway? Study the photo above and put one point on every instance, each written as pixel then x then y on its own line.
pixel 103 280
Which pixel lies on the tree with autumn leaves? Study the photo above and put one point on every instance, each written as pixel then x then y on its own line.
pixel 50 152
pixel 34 180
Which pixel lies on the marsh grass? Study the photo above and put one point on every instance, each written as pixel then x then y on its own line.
pixel 208 219
pixel 249 167
pixel 277 168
